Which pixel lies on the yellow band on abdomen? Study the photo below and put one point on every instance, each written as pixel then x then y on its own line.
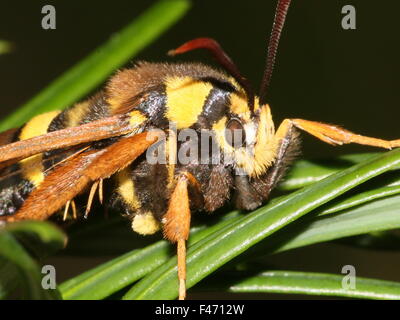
pixel 32 167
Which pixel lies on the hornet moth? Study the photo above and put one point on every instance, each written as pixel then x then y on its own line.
pixel 59 155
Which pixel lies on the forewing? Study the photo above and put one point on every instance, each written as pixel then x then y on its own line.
pixel 92 131
pixel 74 175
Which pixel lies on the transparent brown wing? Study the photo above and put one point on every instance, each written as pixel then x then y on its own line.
pixel 74 175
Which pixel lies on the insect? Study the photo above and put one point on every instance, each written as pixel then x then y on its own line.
pixel 57 156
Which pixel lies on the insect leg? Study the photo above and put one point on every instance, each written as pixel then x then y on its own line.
pixel 99 184
pixel 74 214
pixel 177 224
pixel 90 199
pixel 334 134
pixel 101 191
pixel 66 210
pixel 287 149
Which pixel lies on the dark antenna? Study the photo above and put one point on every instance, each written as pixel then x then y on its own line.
pixel 222 58
pixel 280 14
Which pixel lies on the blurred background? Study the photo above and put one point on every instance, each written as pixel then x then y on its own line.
pixel 324 73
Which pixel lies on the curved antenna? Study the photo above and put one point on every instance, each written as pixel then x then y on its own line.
pixel 280 15
pixel 222 58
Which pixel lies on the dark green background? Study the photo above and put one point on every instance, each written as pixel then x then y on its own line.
pixel 325 73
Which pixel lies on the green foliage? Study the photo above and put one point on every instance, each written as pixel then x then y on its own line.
pixel 20 244
pixel 231 240
pixel 308 283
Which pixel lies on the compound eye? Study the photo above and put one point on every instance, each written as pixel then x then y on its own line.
pixel 235 134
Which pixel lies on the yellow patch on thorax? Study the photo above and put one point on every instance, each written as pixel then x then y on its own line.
pixel 32 167
pixel 126 189
pixel 185 100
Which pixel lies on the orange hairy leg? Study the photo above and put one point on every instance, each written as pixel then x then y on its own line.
pixel 333 134
pixel 177 224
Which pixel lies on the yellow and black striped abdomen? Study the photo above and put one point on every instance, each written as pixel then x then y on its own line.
pixel 18 180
